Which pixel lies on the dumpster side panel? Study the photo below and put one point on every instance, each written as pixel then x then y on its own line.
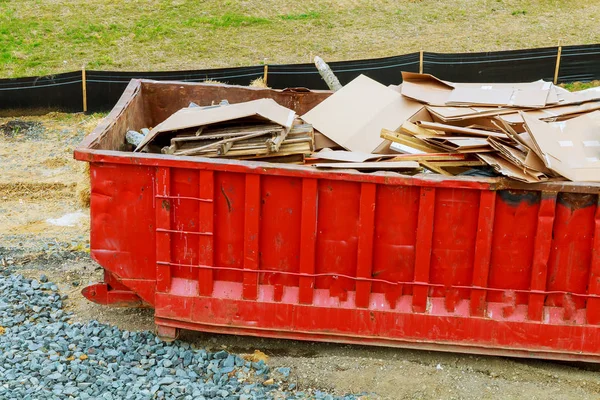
pixel 229 212
pixel 513 239
pixel 309 257
pixel 396 216
pixel 571 252
pixel 122 234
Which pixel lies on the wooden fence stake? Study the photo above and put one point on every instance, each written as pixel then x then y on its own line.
pixel 266 72
pixel 421 61
pixel 557 63
pixel 84 89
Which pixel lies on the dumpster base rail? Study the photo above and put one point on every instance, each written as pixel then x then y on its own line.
pixel 168 330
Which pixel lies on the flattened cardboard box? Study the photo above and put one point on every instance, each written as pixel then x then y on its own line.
pixel 265 109
pixel 570 148
pixel 354 115
pixel 435 92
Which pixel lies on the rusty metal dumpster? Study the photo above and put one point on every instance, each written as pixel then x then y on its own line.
pixel 477 265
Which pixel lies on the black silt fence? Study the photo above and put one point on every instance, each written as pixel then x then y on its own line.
pixel 64 91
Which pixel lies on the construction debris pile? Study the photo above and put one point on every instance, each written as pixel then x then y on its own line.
pixel 531 132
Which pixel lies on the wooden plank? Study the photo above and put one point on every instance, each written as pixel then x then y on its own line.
pixel 411 141
pixel 273 144
pixel 208 134
pixel 198 150
pixel 434 168
pixel 414 129
pixel 300 148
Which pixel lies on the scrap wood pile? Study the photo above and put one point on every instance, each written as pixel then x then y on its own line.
pixel 256 130
pixel 530 132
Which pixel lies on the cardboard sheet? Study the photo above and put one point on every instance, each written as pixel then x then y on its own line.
pixel 354 115
pixel 570 148
pixel 322 142
pixel 506 168
pixel 425 88
pixel 553 113
pixel 459 129
pixel 456 143
pixel 389 165
pixel 348 156
pixel 447 114
pixel 435 92
pixel 581 96
pixel 525 160
pixel 193 117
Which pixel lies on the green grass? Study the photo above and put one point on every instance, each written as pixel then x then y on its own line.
pixel 301 16
pixel 575 86
pixel 49 36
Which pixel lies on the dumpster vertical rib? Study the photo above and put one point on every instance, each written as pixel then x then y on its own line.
pixel 423 248
pixel 163 227
pixel 541 254
pixel 251 236
pixel 308 239
pixel 206 225
pixel 483 251
pixel 366 231
pixel 593 304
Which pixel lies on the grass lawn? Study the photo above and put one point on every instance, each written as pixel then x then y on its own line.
pixel 50 36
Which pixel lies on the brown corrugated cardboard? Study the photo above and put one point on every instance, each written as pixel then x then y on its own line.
pixel 389 165
pixel 507 168
pixel 459 129
pixel 430 90
pixel 554 113
pixel 354 115
pixel 570 148
pixel 348 156
pixel 425 88
pixel 263 109
pixel 458 143
pixel 533 166
pixel 448 114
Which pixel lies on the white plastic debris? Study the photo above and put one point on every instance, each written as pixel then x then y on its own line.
pixel 134 137
pixel 71 219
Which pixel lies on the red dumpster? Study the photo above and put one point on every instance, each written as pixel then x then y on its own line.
pixel 478 265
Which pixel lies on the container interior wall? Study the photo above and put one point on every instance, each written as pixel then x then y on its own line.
pixel 163 99
pixel 135 116
pixel 150 103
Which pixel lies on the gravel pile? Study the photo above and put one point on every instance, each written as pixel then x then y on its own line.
pixel 45 356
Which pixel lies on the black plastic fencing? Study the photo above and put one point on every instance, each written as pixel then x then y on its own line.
pixel 64 91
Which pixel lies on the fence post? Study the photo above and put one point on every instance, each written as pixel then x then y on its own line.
pixel 266 72
pixel 421 61
pixel 557 63
pixel 84 88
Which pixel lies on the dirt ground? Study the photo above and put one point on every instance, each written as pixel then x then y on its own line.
pixel 43 185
